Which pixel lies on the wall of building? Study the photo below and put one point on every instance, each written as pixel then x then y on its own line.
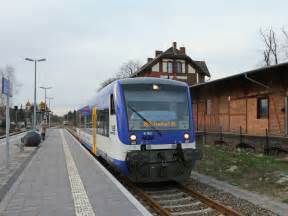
pixel 235 106
pixel 156 67
pixel 277 112
pixel 190 79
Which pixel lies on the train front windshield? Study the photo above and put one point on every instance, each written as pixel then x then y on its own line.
pixel 156 107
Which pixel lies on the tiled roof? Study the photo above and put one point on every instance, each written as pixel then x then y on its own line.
pixel 177 54
pixel 203 66
pixel 258 71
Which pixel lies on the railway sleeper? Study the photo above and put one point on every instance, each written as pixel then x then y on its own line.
pixel 175 201
pixel 195 212
pixel 156 192
pixel 187 205
pixel 169 196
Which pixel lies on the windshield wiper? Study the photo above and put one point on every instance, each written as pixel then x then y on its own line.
pixel 144 119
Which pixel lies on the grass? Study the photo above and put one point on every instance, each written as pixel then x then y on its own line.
pixel 253 172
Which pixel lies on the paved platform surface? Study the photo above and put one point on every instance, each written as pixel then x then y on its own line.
pixel 62 179
pixel 18 161
pixel 14 149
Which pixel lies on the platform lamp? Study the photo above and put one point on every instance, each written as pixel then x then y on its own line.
pixel 35 103
pixel 45 97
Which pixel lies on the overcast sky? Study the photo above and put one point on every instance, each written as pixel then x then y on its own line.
pixel 86 42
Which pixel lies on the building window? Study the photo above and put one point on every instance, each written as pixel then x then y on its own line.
pixel 262 108
pixel 169 67
pixel 179 67
pixel 208 106
pixel 164 66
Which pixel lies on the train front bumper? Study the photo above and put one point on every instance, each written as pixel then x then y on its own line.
pixel 161 165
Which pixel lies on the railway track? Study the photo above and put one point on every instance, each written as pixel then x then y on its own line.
pixel 172 199
pixel 13 133
pixel 175 199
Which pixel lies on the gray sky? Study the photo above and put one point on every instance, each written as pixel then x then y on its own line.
pixel 86 42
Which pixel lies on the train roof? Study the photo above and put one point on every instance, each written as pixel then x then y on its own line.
pixel 101 97
pixel 147 80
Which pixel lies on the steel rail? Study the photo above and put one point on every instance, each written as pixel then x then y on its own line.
pixel 209 202
pixel 13 134
pixel 144 196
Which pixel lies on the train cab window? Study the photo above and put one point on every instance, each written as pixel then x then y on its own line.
pixel 112 105
pixel 163 108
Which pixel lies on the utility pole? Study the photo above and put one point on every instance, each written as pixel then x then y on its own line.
pixel 45 95
pixel 49 98
pixel 35 87
pixel 7 131
pixel 6 90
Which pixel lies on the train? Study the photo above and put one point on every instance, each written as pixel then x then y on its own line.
pixel 143 127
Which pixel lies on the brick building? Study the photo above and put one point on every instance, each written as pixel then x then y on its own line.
pixel 254 101
pixel 174 64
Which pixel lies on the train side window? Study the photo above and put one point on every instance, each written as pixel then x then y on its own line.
pixel 103 122
pixel 112 105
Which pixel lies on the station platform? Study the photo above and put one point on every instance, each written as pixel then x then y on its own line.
pixel 64 179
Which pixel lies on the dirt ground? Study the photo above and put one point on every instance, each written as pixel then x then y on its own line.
pixel 266 175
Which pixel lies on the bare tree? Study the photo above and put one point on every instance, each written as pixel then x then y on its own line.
pixel 271 51
pixel 9 73
pixel 106 82
pixel 285 46
pixel 126 70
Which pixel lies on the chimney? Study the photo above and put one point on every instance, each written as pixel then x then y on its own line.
pixel 175 45
pixel 158 52
pixel 182 50
pixel 149 59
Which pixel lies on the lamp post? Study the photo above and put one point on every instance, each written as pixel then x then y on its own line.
pixel 35 103
pixel 49 99
pixel 45 95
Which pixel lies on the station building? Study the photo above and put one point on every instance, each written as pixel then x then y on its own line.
pixel 174 64
pixel 253 105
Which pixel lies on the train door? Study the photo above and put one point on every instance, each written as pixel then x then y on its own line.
pixel 94 124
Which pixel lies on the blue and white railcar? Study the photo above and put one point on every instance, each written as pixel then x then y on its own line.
pixel 144 128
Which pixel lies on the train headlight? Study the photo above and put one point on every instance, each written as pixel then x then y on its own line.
pixel 155 87
pixel 186 136
pixel 133 137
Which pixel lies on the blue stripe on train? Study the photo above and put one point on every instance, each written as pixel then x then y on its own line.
pixel 121 166
pixel 87 145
